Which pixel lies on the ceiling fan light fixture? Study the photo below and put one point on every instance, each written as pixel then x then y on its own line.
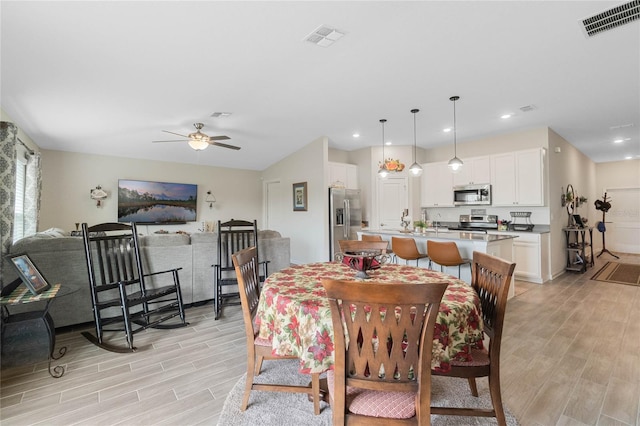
pixel 198 144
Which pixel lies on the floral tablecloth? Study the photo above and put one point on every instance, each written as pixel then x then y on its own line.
pixel 294 312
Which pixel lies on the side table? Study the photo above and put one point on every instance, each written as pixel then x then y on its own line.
pixel 29 337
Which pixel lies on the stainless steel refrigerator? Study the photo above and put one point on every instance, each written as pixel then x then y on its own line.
pixel 345 217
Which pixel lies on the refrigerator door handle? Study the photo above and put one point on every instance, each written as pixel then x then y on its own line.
pixel 347 221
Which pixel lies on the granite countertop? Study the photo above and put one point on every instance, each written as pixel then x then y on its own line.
pixel 445 235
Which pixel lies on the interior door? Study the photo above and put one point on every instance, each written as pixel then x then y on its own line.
pixel 622 221
pixel 273 205
pixel 393 198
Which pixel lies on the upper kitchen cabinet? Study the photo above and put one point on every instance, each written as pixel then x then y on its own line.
pixel 517 178
pixel 437 185
pixel 342 174
pixel 475 170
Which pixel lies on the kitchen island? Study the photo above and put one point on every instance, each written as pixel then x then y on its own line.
pixel 496 245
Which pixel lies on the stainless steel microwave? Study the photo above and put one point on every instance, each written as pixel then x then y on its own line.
pixel 472 195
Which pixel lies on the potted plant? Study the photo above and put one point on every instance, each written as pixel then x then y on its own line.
pixel 419 226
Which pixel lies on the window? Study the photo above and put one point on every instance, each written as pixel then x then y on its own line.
pixel 21 183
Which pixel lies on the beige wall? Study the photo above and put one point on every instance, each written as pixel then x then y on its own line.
pixel 308 230
pixel 67 178
pixel 568 166
pixel 496 144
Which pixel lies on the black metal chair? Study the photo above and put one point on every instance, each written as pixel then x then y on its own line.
pixel 124 297
pixel 233 236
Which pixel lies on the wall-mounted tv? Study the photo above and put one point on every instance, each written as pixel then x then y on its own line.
pixel 156 202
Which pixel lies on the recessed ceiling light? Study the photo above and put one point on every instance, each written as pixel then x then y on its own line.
pixel 356 135
pixel 388 143
pixel 220 114
pixel 505 116
pixel 621 140
pixel 448 129
pixel 628 157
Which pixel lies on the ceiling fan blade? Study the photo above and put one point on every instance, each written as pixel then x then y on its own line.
pixel 180 140
pixel 174 133
pixel 219 138
pixel 224 145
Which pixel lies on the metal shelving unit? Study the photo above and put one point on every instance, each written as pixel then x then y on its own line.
pixel 579 248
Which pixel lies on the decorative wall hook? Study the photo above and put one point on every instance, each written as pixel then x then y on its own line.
pixel 98 194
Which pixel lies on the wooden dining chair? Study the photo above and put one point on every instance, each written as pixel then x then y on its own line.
pixel 383 339
pixel 366 237
pixel 360 245
pixel 490 278
pixel 406 248
pixel 246 267
pixel 445 253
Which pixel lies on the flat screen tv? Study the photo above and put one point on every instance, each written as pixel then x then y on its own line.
pixel 156 202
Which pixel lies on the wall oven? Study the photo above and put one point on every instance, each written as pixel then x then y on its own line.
pixel 472 195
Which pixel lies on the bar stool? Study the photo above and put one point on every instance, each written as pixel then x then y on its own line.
pixel 445 254
pixel 406 248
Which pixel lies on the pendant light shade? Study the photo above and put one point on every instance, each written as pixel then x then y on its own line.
pixel 415 169
pixel 383 172
pixel 455 163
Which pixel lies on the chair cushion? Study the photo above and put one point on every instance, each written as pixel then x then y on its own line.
pixel 392 405
pixel 260 341
pixel 479 357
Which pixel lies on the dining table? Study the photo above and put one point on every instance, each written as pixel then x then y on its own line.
pixel 294 313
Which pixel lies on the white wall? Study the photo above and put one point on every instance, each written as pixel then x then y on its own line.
pixel 308 230
pixel 68 177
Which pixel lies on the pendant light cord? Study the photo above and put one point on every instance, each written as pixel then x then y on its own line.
pixel 455 139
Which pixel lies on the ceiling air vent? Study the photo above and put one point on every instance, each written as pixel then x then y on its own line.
pixel 528 108
pixel 324 36
pixel 611 18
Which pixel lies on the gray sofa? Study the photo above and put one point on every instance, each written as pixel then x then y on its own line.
pixel 61 259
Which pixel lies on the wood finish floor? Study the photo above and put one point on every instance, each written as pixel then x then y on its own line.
pixel 571 356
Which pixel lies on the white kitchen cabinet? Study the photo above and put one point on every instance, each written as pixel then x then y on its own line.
pixel 437 185
pixel 530 253
pixel 517 178
pixel 475 170
pixel 343 174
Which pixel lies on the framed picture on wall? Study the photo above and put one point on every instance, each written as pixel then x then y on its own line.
pixel 30 275
pixel 300 197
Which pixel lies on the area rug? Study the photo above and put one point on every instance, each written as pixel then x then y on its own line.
pixel 619 273
pixel 278 408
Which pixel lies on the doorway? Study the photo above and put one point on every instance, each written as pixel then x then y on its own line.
pixel 393 198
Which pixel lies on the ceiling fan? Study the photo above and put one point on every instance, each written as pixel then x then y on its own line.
pixel 199 141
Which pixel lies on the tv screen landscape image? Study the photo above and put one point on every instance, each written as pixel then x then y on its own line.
pixel 156 202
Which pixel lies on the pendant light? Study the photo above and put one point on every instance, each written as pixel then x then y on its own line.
pixel 415 169
pixel 383 172
pixel 455 163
